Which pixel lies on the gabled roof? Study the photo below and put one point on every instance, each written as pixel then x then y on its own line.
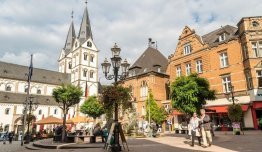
pixel 71 35
pixel 18 72
pixel 212 38
pixel 85 28
pixel 150 61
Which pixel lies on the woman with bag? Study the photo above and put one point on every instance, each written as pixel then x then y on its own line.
pixel 194 123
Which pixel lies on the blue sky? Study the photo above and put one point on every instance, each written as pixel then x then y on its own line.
pixel 40 26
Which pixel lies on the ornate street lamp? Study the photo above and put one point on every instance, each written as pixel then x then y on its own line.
pixel 231 89
pixel 116 64
pixel 33 105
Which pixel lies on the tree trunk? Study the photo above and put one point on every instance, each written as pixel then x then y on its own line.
pixel 64 122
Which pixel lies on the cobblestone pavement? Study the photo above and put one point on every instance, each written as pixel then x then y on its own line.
pixel 250 142
pixel 14 147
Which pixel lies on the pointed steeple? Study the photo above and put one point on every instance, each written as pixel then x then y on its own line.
pixel 85 27
pixel 70 37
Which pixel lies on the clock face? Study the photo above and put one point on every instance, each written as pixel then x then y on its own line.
pixel 89 44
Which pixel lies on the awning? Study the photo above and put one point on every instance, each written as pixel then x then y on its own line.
pixel 257 105
pixel 49 120
pixel 175 112
pixel 223 109
pixel 78 119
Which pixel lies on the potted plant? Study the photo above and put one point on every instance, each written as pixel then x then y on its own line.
pixel 235 114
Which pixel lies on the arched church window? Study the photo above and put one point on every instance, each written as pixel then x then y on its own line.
pixel 89 44
pixel 85 56
pixel 84 73
pixel 7 111
pixel 69 65
pixel 26 88
pixel 38 91
pixel 76 44
pixel 92 58
pixel 8 88
pixel 91 74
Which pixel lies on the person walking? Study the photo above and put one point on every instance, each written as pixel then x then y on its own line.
pixel 205 128
pixel 10 137
pixel 5 137
pixel 195 132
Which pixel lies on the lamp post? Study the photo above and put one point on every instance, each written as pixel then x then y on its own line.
pixel 116 64
pixel 231 89
pixel 33 105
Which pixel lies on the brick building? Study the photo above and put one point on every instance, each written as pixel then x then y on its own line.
pixel 148 73
pixel 228 56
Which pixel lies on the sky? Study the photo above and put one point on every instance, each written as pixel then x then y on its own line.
pixel 40 26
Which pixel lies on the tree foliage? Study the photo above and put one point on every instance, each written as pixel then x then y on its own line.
pixel 115 94
pixel 66 96
pixel 92 107
pixel 235 112
pixel 157 114
pixel 189 93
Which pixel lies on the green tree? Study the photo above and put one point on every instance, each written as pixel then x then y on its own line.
pixel 92 107
pixel 118 94
pixel 157 114
pixel 189 93
pixel 235 112
pixel 66 96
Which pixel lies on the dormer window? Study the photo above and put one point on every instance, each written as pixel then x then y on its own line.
pixel 255 24
pixel 187 49
pixel 222 37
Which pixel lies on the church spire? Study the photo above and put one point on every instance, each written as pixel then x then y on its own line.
pixel 85 27
pixel 70 36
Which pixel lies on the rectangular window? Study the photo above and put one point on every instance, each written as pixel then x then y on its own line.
pixel 259 78
pixel 199 67
pixel 226 82
pixel 223 60
pixel 188 69
pixel 245 51
pixel 249 80
pixel 257 48
pixel 187 49
pixel 222 37
pixel 178 71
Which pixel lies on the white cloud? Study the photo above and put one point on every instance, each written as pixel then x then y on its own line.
pixel 40 27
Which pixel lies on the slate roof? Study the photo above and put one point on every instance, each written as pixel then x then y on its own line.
pixel 19 98
pixel 212 38
pixel 70 39
pixel 85 28
pixel 18 72
pixel 149 61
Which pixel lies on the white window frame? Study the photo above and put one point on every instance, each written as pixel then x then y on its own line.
pixel 257 48
pixel 188 69
pixel 85 56
pixel 187 49
pixel 143 89
pixel 178 71
pixel 223 59
pixel 226 83
pixel 259 76
pixel 222 37
pixel 199 66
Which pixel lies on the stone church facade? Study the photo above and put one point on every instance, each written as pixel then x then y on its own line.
pixel 78 64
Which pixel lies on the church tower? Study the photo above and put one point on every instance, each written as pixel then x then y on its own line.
pixel 79 57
